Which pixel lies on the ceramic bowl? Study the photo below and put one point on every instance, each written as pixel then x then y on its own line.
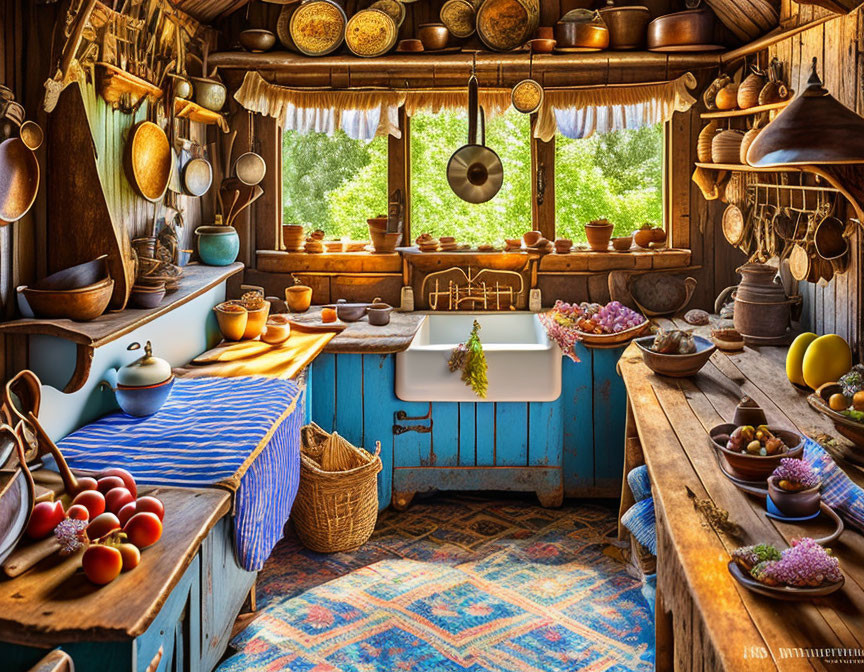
pixel 257 40
pixel 143 401
pixel 755 467
pixel 846 426
pixel 379 314
pixel 531 238
pixel 82 304
pixel 350 312
pixel 541 45
pixel 277 329
pixel 385 243
pixel 623 243
pixel 298 298
pixel 146 296
pixel 434 36
pixel 795 504
pixel 728 340
pixel 209 93
pixel 232 320
pixel 676 366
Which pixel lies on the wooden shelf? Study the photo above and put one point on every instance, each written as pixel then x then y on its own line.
pixel 88 336
pixel 743 168
pixel 114 83
pixel 750 111
pixel 192 111
pixel 493 69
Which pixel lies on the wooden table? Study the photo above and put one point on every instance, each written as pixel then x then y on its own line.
pixel 155 610
pixel 705 620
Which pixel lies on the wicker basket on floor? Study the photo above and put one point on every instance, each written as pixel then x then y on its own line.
pixel 337 506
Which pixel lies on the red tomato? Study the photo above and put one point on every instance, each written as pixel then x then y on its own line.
pixel 102 564
pixel 45 517
pixel 143 529
pixel 131 556
pixel 125 475
pixel 86 483
pixel 127 512
pixel 152 505
pixel 92 500
pixel 117 498
pixel 102 525
pixel 107 483
pixel 78 512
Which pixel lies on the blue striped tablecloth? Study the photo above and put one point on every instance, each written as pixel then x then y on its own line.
pixel 239 433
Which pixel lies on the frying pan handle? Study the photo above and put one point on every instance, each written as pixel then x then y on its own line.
pixel 482 127
pixel 473 97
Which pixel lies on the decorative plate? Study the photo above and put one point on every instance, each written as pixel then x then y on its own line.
pixel 781 592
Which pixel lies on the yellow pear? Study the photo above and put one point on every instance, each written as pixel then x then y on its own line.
pixel 826 359
pixel 795 357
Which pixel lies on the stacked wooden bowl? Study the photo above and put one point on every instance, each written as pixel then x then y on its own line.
pixel 293 237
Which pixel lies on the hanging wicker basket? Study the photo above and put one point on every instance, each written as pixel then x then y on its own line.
pixel 337 500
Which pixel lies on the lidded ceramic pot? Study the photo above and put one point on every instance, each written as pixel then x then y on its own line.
pixel 144 371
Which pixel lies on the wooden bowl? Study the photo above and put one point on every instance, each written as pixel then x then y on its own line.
pixel 531 238
pixel 852 430
pixel 676 366
pixel 82 304
pixel 385 242
pixel 728 340
pixel 148 160
pixel 257 40
pixel 755 467
pixel 410 46
pixel 609 340
pixel 540 45
pixel 77 276
pixel 19 179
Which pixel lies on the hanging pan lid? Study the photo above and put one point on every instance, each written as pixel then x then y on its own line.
pixel 815 128
pixel 474 171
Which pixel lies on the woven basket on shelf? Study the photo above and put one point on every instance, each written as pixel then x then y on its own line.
pixel 337 500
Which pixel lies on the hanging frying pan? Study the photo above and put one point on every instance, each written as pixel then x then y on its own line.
pixel 147 159
pixel 16 494
pixel 474 171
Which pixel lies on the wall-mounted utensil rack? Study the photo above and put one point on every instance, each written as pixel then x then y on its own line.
pixel 476 293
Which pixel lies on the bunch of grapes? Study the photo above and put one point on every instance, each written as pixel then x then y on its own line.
pixel 560 323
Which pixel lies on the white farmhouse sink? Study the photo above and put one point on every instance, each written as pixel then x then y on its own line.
pixel 524 365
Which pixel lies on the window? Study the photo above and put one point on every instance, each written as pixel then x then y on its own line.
pixel 333 183
pixel 617 176
pixel 437 210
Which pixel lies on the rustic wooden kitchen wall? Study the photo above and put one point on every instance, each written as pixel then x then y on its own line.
pixel 839 46
pixel 26 61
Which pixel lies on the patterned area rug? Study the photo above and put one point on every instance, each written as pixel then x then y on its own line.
pixel 454 584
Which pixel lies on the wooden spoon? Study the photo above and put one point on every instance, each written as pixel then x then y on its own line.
pixel 257 192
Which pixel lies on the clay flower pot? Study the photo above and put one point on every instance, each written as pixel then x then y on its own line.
pixel 232 320
pixel 794 503
pixel 598 236
pixel 298 298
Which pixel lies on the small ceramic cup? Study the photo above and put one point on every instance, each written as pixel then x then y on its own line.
pixel 298 298
pixel 379 314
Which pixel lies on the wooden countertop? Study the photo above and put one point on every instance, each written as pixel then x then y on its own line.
pixel 55 603
pixel 363 338
pixel 671 418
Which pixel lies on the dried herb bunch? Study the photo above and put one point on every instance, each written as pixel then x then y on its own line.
pixel 469 358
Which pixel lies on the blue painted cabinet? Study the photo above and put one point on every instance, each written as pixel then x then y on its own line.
pixel 573 446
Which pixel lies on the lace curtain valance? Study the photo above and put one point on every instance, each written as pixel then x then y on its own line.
pixel 364 114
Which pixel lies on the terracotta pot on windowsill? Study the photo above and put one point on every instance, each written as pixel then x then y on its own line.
pixel 599 235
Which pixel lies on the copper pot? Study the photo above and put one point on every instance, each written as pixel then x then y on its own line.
pixel 627 25
pixel 682 31
pixel 581 29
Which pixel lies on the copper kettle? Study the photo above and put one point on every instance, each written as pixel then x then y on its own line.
pixel 475 172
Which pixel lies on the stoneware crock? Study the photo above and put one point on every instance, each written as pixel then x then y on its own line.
pixel 218 245
pixel 795 504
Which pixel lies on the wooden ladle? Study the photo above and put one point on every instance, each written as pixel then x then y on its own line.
pixel 257 192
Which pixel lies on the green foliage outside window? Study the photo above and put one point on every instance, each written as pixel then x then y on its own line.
pixel 336 183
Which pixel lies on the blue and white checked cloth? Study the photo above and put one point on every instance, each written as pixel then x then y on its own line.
pixel 239 433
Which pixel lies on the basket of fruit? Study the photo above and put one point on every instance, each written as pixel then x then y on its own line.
pixel 593 324
pixel 845 410
pixel 753 453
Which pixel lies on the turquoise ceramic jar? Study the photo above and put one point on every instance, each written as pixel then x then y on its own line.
pixel 218 245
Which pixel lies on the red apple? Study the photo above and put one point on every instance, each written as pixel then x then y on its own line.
pixel 117 498
pixel 86 483
pixel 150 504
pixel 102 525
pixel 127 512
pixel 125 475
pixel 143 529
pixel 44 518
pixel 78 512
pixel 107 483
pixel 102 564
pixel 92 500
pixel 131 556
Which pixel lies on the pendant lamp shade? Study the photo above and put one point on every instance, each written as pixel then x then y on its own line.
pixel 815 128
